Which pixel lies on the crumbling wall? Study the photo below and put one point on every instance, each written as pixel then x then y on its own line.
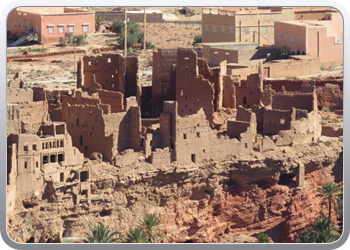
pixel 116 131
pixel 109 71
pixel 193 141
pixel 229 92
pixel 19 95
pixel 163 59
pixel 276 120
pixel 193 91
pixel 287 100
pixel 32 115
pixel 132 78
pixel 112 98
pixel 13 119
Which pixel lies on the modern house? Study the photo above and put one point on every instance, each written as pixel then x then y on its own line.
pixel 49 24
pixel 320 38
pixel 252 25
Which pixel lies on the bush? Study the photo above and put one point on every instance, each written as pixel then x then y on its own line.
pixel 197 39
pixel 327 143
pixel 150 45
pixel 283 52
pixel 70 38
pixel 134 34
pixel 263 238
pixel 117 26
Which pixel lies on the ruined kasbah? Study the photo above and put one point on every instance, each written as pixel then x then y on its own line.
pixel 222 140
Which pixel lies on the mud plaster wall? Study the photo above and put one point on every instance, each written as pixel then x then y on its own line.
pixel 137 17
pixel 195 142
pixel 117 131
pixel 163 59
pixel 308 128
pixel 32 115
pixel 132 79
pixel 229 93
pixel 112 98
pixel 296 85
pixel 290 68
pixel 19 95
pixel 13 119
pixel 276 120
pixel 286 101
pixel 109 71
pixel 193 92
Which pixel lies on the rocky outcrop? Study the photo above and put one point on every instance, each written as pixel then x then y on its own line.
pixel 229 201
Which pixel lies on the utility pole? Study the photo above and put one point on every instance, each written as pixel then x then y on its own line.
pixel 144 28
pixel 125 34
pixel 75 43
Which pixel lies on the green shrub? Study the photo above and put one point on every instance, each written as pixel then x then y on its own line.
pixel 150 45
pixel 326 110
pixel 134 34
pixel 334 120
pixel 197 39
pixel 258 135
pixel 117 26
pixel 340 116
pixel 283 52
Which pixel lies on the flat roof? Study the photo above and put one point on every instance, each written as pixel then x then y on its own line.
pixel 50 10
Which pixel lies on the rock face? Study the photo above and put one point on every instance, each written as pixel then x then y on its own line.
pixel 230 201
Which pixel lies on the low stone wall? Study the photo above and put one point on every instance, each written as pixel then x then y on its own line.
pixel 82 51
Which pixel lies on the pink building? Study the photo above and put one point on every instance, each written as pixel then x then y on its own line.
pixel 322 38
pixel 49 24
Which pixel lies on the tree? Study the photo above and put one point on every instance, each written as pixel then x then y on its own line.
pixel 100 234
pixel 151 224
pixel 134 34
pixel 98 21
pixel 324 230
pixel 136 235
pixel 117 26
pixel 263 238
pixel 328 192
pixel 283 52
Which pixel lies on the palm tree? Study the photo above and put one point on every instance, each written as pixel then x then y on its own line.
pixel 328 192
pixel 100 234
pixel 324 230
pixel 307 237
pixel 98 21
pixel 151 224
pixel 263 238
pixel 136 235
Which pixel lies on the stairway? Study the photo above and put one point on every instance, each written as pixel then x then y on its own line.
pixel 18 41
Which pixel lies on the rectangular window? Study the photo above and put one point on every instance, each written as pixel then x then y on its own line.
pixel 279 36
pixel 85 27
pixel 25 23
pixel 70 28
pixel 292 38
pixel 230 30
pixel 214 28
pixel 287 37
pixel 19 23
pixel 50 29
pixel 302 40
pixel 206 28
pixel 60 28
pixel 222 29
pixel 36 28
